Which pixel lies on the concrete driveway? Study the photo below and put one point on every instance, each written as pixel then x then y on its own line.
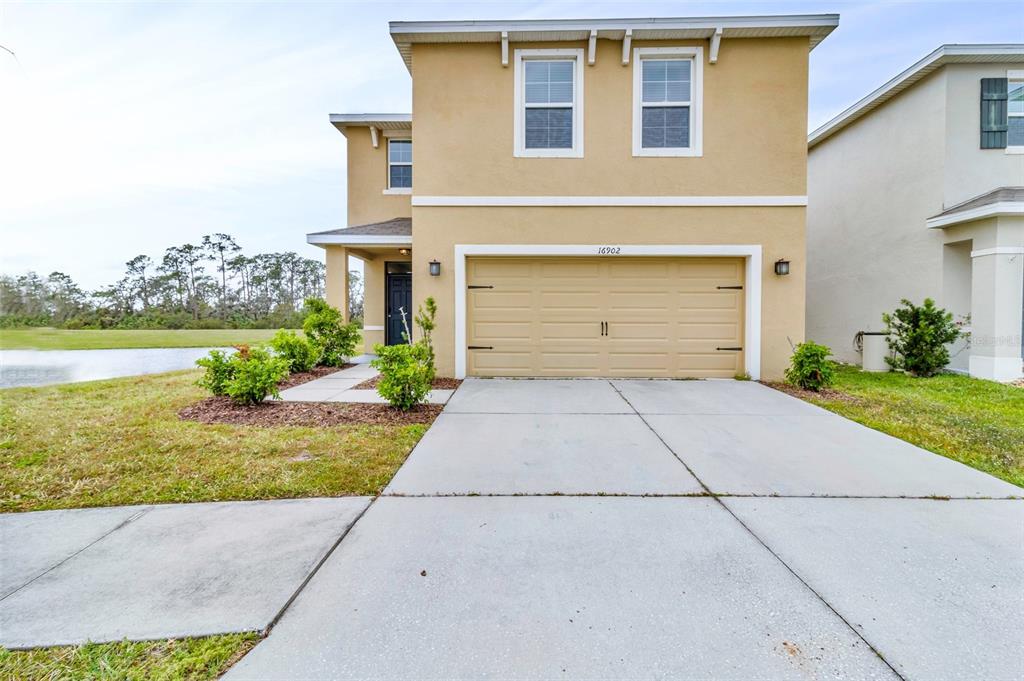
pixel 665 529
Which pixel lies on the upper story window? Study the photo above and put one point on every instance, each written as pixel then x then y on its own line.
pixel 549 103
pixel 400 164
pixel 667 91
pixel 1015 109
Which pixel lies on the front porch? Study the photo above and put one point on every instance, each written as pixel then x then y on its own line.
pixel 983 280
pixel 385 249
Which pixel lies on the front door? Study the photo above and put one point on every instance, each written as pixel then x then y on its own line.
pixel 399 299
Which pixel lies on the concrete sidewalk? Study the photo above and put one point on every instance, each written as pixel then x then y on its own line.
pixel 145 572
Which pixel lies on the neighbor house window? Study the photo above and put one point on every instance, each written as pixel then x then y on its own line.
pixel 549 103
pixel 399 164
pixel 667 101
pixel 1015 111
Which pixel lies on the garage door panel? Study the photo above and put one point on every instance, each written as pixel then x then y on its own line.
pixel 504 331
pixel 575 331
pixel 665 317
pixel 570 300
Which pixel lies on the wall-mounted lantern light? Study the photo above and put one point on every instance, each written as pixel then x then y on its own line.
pixel 435 268
pixel 403 251
pixel 781 267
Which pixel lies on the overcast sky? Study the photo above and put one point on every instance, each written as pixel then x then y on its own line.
pixel 126 128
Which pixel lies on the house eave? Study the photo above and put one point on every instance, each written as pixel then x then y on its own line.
pixel 814 26
pixel 1000 209
pixel 359 240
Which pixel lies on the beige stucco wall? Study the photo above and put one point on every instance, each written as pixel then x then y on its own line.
pixel 368 178
pixel 870 188
pixel 754 139
pixel 779 230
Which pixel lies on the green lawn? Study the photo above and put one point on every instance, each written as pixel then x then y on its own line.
pixel 85 339
pixel 189 659
pixel 979 423
pixel 120 441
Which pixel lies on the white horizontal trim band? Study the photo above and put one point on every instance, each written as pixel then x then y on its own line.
pixel 364 239
pixel 609 200
pixel 998 250
pixel 991 210
pixel 372 327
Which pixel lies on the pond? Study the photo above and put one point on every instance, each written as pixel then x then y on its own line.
pixel 20 368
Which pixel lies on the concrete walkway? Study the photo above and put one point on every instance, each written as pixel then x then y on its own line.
pixel 638 529
pixel 341 387
pixel 144 572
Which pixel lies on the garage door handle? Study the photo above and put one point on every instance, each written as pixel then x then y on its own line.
pixel 481 347
pixel 738 349
pixel 478 286
pixel 731 288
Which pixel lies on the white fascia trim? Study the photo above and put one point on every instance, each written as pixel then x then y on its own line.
pixel 751 253
pixel 519 149
pixel 372 327
pixel 696 55
pixel 370 118
pixel 540 201
pixel 397 190
pixel 992 210
pixel 932 61
pixel 365 239
pixel 998 250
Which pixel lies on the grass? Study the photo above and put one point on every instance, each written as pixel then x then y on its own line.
pixel 979 423
pixel 87 339
pixel 188 659
pixel 120 441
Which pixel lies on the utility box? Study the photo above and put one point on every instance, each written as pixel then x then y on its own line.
pixel 875 350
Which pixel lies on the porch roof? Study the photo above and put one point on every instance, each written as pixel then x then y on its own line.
pixel 1000 201
pixel 396 232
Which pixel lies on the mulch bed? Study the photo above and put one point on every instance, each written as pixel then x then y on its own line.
pixel 311 375
pixel 438 384
pixel 223 410
pixel 825 394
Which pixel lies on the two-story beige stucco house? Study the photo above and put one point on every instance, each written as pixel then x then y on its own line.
pixel 917 190
pixel 588 197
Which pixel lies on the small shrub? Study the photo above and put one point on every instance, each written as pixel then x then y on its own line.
pixel 219 370
pixel 918 336
pixel 255 375
pixel 301 354
pixel 324 327
pixel 425 322
pixel 810 368
pixel 406 374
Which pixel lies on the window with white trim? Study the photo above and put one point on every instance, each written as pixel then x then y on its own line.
pixel 1015 110
pixel 399 164
pixel 666 101
pixel 548 100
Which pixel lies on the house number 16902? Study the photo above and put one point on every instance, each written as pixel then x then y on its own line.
pixel 609 250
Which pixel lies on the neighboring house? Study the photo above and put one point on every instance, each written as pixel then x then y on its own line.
pixel 588 197
pixel 917 191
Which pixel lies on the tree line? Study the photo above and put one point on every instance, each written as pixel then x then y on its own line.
pixel 211 284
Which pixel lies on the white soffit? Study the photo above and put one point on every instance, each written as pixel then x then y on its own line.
pixel 946 54
pixel 815 26
pixel 380 121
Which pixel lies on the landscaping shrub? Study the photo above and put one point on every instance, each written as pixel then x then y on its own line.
pixel 425 322
pixel 301 354
pixel 255 374
pixel 810 368
pixel 324 327
pixel 406 374
pixel 918 336
pixel 219 370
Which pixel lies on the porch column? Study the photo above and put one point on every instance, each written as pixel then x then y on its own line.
pixel 336 283
pixel 997 301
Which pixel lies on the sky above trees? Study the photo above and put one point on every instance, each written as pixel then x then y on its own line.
pixel 126 126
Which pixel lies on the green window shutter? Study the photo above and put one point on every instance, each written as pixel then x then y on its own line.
pixel 993 113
